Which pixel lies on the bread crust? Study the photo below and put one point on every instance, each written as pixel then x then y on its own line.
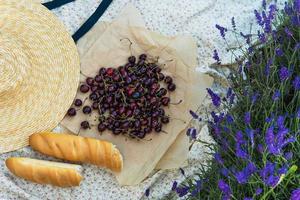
pixel 45 172
pixel 78 149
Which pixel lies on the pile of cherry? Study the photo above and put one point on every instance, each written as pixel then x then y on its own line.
pixel 129 99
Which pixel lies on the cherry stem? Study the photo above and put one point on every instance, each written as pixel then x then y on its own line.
pixel 83 74
pixel 129 44
pixel 179 102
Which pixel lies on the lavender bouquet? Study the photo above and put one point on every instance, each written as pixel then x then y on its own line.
pixel 256 123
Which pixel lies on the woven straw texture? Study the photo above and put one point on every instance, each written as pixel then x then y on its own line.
pixel 39 71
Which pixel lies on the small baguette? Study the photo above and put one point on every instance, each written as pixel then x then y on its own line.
pixel 45 172
pixel 78 149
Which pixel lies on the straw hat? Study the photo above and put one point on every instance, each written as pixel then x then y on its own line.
pixel 39 71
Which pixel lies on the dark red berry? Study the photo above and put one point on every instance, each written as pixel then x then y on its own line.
pixel 131 59
pixel 102 71
pixel 84 88
pixel 110 71
pixel 168 80
pixel 171 87
pixel 95 105
pixel 165 101
pixel 143 57
pixel 101 127
pixel 165 120
pixel 90 81
pixel 78 102
pixel 85 125
pixel 71 112
pixel 86 110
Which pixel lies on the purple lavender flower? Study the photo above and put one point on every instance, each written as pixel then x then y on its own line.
pixel 218 158
pixel 288 155
pixel 268 176
pixel 147 192
pixel 182 191
pixel 258 191
pixel 267 68
pixel 174 185
pixel 295 194
pixel 258 18
pixel 229 119
pixel 197 188
pixel 276 95
pixel 216 57
pixel 193 135
pixel 222 30
pixel 248 198
pixel 216 100
pixel 260 148
pixel 279 52
pixel 296 83
pixel 194 115
pixel 250 134
pixel 297 6
pixel 264 4
pixel 254 97
pixel 217 118
pixel 275 142
pixel 296 20
pixel 243 176
pixel 288 9
pixel 288 32
pixel 283 169
pixel 239 146
pixel 297 46
pixel 284 73
pixel 262 37
pixel 298 113
pixel 233 24
pixel 280 122
pixel 224 187
pixel 247 118
pixel 272 11
pixel 188 132
pixel 224 171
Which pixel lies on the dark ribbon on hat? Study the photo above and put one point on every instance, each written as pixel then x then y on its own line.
pixel 56 3
pixel 90 22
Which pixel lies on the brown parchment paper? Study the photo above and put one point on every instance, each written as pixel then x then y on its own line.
pixel 178 54
pixel 176 155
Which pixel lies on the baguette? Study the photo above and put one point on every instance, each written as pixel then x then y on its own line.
pixel 45 172
pixel 78 149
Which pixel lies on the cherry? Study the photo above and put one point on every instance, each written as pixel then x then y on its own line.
pixel 85 125
pixel 171 87
pixel 102 71
pixel 168 80
pixel 165 101
pixel 90 81
pixel 101 127
pixel 98 79
pixel 132 59
pixel 93 96
pixel 143 57
pixel 78 102
pixel 84 88
pixel 86 110
pixel 95 105
pixel 165 120
pixel 161 76
pixel 110 71
pixel 71 112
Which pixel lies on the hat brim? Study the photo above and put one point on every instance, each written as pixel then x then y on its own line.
pixel 35 41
